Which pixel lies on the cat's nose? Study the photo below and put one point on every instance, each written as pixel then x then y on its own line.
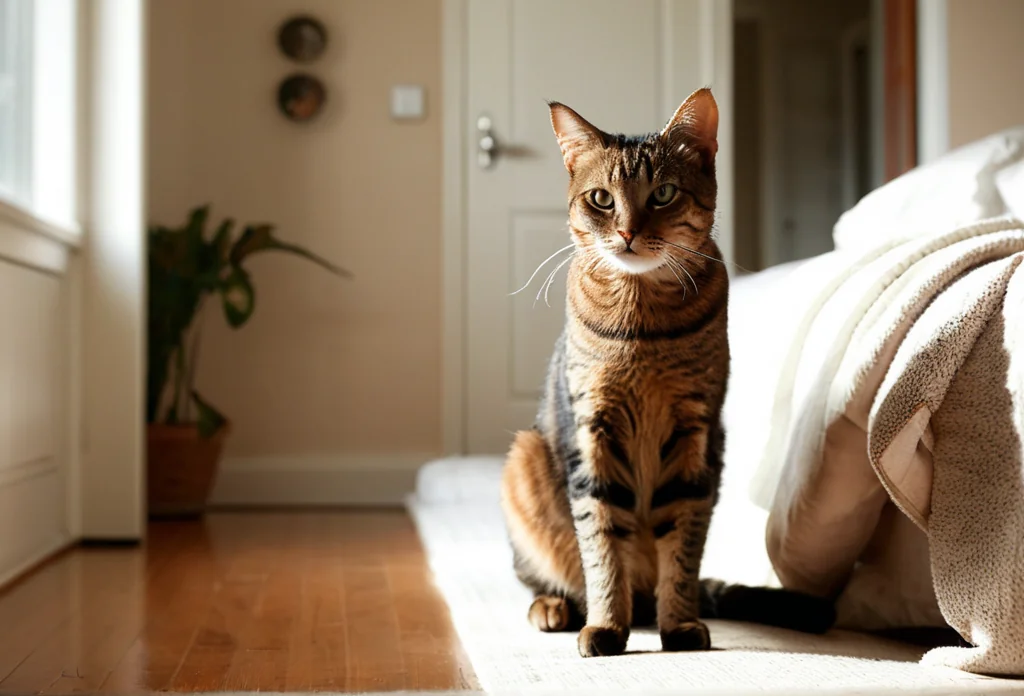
pixel 628 235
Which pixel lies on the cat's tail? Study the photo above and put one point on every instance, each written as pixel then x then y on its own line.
pixel 766 605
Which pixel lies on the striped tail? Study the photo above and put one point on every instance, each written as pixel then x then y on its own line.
pixel 766 605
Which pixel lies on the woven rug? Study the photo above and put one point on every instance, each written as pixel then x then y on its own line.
pixel 892 691
pixel 459 521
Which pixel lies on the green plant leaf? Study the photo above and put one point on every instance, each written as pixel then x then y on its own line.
pixel 221 243
pixel 210 419
pixel 185 266
pixel 167 248
pixel 256 238
pixel 197 223
pixel 195 243
pixel 238 297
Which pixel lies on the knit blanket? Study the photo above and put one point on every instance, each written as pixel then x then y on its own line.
pixel 893 466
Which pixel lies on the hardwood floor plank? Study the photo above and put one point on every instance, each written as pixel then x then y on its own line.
pixel 34 609
pixel 304 601
pixel 103 598
pixel 145 575
pixel 425 633
pixel 374 657
pixel 318 653
pixel 261 663
pixel 174 610
pixel 216 642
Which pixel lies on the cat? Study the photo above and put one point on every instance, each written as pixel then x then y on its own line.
pixel 608 498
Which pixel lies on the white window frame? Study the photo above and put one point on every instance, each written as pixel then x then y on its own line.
pixel 19 92
pixel 44 198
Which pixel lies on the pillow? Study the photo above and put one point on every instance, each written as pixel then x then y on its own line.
pixel 956 189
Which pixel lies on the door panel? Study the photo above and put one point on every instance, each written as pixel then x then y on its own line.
pixel 536 319
pixel 623 66
pixel 601 57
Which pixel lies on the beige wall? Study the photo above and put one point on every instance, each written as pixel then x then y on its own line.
pixel 326 366
pixel 986 65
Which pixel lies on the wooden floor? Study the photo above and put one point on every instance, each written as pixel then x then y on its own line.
pixel 270 601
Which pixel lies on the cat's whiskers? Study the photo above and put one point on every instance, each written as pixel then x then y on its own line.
pixel 669 265
pixel 678 263
pixel 542 264
pixel 705 256
pixel 546 285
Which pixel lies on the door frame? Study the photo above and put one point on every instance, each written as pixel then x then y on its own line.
pixel 932 80
pixel 453 225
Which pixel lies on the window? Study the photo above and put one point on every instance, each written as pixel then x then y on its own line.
pixel 15 99
pixel 37 108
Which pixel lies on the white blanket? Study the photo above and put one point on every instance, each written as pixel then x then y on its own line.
pixel 901 377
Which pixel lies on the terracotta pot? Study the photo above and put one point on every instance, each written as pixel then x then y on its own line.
pixel 181 467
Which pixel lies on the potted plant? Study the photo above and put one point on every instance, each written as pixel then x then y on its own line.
pixel 187 267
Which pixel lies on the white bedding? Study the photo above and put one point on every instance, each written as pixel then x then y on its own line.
pixel 972 183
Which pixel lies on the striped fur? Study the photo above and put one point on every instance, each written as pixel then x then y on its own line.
pixel 609 497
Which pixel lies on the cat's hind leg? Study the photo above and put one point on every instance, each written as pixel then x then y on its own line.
pixel 547 557
pixel 551 613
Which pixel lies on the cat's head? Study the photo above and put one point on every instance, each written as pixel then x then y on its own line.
pixel 632 198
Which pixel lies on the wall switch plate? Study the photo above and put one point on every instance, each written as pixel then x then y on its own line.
pixel 407 102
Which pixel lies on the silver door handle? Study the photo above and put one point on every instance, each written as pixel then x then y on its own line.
pixel 487 145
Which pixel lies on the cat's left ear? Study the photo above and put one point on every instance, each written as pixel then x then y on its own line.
pixel 695 124
pixel 574 133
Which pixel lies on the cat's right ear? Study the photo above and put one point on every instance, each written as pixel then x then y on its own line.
pixel 695 124
pixel 574 133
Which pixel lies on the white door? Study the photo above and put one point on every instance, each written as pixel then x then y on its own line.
pixel 625 66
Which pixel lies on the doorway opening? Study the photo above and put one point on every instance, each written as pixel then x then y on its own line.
pixel 806 81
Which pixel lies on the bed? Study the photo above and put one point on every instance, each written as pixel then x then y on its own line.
pixel 890 459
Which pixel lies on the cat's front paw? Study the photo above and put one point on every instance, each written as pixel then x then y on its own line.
pixel 596 641
pixel 550 614
pixel 691 635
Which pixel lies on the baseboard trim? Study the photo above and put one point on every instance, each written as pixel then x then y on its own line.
pixel 48 552
pixel 112 543
pixel 364 480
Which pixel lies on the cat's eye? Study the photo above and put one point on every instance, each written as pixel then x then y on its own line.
pixel 602 199
pixel 663 195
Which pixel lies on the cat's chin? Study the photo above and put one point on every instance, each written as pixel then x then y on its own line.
pixel 633 264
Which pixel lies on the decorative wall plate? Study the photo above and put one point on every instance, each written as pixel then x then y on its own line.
pixel 302 39
pixel 301 97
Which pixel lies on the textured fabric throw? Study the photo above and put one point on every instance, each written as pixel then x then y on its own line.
pixel 904 388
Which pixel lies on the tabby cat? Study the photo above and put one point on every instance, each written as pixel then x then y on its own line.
pixel 608 498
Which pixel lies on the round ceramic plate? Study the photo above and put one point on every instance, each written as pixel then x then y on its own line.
pixel 302 39
pixel 301 97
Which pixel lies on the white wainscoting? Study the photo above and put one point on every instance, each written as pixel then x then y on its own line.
pixel 35 415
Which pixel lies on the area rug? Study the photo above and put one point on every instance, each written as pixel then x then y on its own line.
pixel 458 517
pixel 532 691
pixel 882 691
